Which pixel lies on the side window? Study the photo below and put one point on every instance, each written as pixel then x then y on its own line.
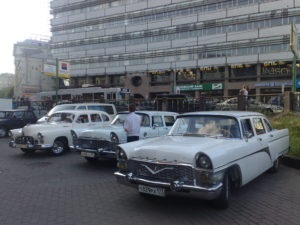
pixel 27 115
pixel 145 121
pixel 268 125
pixel 169 120
pixel 18 115
pixel 106 108
pixel 259 126
pixel 247 128
pixel 105 117
pixel 95 118
pixel 158 121
pixel 83 118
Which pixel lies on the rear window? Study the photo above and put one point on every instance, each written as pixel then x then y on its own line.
pixel 106 108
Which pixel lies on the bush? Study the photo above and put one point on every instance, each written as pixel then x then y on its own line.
pixel 292 122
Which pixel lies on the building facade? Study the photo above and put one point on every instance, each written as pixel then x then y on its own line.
pixel 30 57
pixel 188 46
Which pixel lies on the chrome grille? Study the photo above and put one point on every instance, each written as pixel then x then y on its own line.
pixel 94 144
pixel 24 140
pixel 162 172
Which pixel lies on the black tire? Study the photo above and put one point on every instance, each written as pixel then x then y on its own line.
pixel 222 202
pixel 275 167
pixel 59 147
pixel 27 150
pixel 3 131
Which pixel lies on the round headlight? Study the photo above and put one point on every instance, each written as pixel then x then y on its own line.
pixel 203 162
pixel 73 134
pixel 40 136
pixel 121 154
pixel 114 138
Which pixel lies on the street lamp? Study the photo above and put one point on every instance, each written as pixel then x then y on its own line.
pixel 294 49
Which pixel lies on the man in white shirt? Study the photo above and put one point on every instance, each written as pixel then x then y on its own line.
pixel 132 124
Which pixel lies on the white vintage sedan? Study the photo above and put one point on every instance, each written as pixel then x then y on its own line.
pixel 54 135
pixel 101 143
pixel 208 153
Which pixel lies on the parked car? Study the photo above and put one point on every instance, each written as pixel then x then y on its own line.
pixel 209 153
pixel 101 143
pixel 253 105
pixel 276 100
pixel 108 108
pixel 54 135
pixel 17 118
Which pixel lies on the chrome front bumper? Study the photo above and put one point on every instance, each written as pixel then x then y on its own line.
pixel 207 193
pixel 99 153
pixel 13 144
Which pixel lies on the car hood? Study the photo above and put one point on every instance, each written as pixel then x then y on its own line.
pixel 96 133
pixel 182 149
pixel 42 127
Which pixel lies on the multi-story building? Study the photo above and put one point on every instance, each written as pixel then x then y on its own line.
pixel 191 46
pixel 30 58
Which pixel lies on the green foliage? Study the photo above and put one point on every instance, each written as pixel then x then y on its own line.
pixel 7 92
pixel 292 122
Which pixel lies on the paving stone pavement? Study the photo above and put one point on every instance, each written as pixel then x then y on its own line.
pixel 40 189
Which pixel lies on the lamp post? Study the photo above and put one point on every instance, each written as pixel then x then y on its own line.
pixel 56 81
pixel 294 49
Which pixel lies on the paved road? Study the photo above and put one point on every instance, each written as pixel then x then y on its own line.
pixel 40 189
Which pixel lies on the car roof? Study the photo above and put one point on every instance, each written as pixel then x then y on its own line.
pixel 88 103
pixel 226 113
pixel 149 112
pixel 81 111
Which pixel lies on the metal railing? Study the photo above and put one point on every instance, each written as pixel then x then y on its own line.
pixel 261 103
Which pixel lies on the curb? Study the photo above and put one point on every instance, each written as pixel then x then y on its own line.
pixel 291 161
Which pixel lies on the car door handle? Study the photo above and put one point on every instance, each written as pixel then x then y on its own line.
pixel 259 139
pixel 271 135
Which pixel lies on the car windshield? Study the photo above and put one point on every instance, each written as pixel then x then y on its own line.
pixel 62 117
pixel 206 126
pixel 119 119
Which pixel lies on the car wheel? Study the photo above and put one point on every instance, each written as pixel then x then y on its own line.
pixel 3 131
pixel 222 202
pixel 275 167
pixel 27 150
pixel 91 160
pixel 59 147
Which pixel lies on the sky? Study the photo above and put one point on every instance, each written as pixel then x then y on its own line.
pixel 21 20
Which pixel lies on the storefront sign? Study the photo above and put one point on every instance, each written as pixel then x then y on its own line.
pixel 201 87
pixel 273 84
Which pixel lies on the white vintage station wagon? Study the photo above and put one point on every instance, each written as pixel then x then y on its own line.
pixel 54 135
pixel 93 144
pixel 205 152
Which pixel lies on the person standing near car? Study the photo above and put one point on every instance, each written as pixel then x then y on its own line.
pixel 132 124
pixel 244 93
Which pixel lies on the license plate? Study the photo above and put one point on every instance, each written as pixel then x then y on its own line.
pixel 88 154
pixel 152 190
pixel 21 146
